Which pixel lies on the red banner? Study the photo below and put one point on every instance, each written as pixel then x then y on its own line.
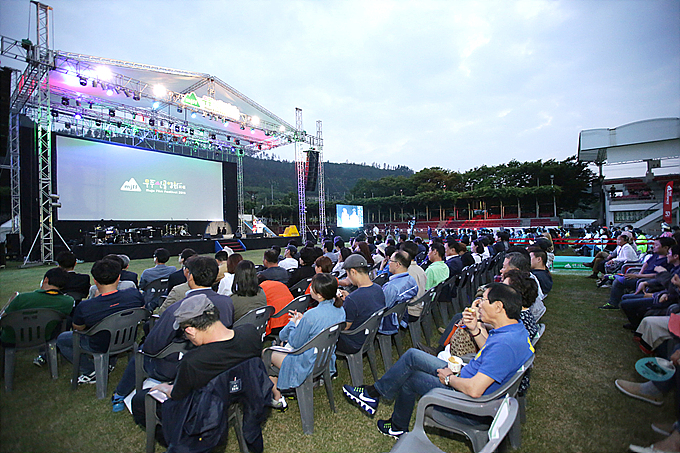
pixel 668 203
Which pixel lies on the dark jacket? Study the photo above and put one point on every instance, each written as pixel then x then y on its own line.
pixel 199 422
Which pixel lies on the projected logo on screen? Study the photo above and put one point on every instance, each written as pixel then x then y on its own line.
pixel 165 186
pixel 130 186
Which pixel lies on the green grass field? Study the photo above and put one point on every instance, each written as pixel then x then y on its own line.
pixel 573 405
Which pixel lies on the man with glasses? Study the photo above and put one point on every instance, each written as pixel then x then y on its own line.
pixel 399 288
pixel 504 349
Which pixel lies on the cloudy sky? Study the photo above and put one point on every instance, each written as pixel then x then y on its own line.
pixel 456 84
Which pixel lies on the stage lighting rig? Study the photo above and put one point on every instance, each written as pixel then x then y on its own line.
pixel 136 96
pixel 112 113
pixel 55 114
pixel 65 101
pixel 83 82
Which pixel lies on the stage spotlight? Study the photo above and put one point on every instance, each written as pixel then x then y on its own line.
pixel 151 122
pixel 179 109
pixel 97 123
pixel 64 101
pixel 159 91
pixel 213 137
pixel 184 139
pixel 193 114
pixel 78 116
pixel 127 92
pixel 112 113
pixel 109 92
pixel 55 114
pixel 116 90
pixel 282 128
pixel 226 124
pixel 119 124
pixel 91 104
pixel 77 103
pixel 94 84
pixel 191 132
pixel 83 81
pixel 162 123
pixel 156 105
pixel 243 127
pixel 67 125
pixel 252 130
pixel 136 96
pixel 176 128
pixel 233 149
pixel 254 120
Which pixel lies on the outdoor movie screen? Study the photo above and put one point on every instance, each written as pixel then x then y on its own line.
pixel 108 181
pixel 349 216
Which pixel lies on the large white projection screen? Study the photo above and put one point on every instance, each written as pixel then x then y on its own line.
pixel 107 181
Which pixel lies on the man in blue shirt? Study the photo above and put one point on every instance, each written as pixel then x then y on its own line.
pixel 400 287
pixel 503 352
pixel 160 270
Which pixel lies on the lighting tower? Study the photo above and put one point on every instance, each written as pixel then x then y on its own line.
pixel 300 164
pixel 322 188
pixel 239 186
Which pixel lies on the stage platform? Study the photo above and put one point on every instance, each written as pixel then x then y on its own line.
pixel 141 250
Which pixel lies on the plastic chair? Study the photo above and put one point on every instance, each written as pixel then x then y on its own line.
pixel 424 321
pixel 503 410
pixel 385 341
pixel 539 334
pixel 299 304
pixel 324 344
pixel 482 406
pixel 257 317
pixel 381 279
pixel 29 328
pixel 176 347
pixel 355 360
pixel 300 287
pixel 154 292
pixel 122 327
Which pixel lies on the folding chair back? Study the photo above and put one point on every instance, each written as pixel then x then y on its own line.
pixel 355 361
pixel 257 317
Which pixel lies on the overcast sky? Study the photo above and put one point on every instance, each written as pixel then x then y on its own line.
pixel 456 84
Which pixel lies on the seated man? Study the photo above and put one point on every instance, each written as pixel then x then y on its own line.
pixel 306 268
pixel 219 348
pixel 360 304
pixel 328 251
pixel 289 262
pixel 629 282
pixel 453 259
pixel 125 274
pixel 521 260
pixel 221 257
pixel 540 270
pixel 201 272
pixel 160 270
pixel 272 269
pixel 399 288
pixel 77 284
pixel 48 296
pixel 178 277
pixel 437 271
pixel 505 350
pixel 635 306
pixel 122 284
pixel 106 274
pixel 418 275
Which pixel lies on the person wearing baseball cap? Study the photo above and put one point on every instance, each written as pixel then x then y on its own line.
pixel 361 303
pixel 219 348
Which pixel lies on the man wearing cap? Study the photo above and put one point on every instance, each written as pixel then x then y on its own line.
pixel 289 262
pixel 219 348
pixel 201 272
pixel 360 304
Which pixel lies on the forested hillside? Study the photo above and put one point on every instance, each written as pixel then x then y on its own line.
pixel 262 176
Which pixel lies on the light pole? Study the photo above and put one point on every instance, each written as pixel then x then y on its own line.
pixel 552 185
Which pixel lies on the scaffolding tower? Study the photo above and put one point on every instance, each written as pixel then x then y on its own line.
pixel 300 164
pixel 322 187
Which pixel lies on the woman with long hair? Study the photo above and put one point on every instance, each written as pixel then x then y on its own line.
pixel 226 282
pixel 246 293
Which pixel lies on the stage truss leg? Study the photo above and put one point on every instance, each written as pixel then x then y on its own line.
pixel 322 185
pixel 300 164
pixel 239 184
pixel 15 172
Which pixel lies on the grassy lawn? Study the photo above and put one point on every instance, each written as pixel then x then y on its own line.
pixel 573 405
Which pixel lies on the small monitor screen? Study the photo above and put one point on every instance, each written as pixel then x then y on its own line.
pixel 350 216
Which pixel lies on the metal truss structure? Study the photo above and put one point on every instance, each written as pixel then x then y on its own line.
pixel 300 165
pixel 322 186
pixel 128 118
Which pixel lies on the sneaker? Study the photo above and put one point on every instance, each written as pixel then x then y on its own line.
pixel 87 378
pixel 608 306
pixel 665 429
pixel 118 403
pixel 40 360
pixel 633 390
pixel 279 405
pixel 111 368
pixel 359 396
pixel 385 427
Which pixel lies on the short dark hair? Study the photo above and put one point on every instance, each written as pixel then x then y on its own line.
pixel 508 296
pixel 675 250
pixel 57 277
pixel 409 247
pixel 439 248
pixel 187 253
pixel 402 258
pixel 162 255
pixel 666 241
pixel 203 268
pixel 539 253
pixel 114 257
pixel 403 237
pixel 338 242
pixel 345 252
pixel 276 248
pixel 222 255
pixel 66 259
pixel 326 285
pixel 271 256
pixel 519 261
pixel 308 255
pixel 503 236
pixel 202 321
pixel 328 246
pixel 245 279
pixel 106 272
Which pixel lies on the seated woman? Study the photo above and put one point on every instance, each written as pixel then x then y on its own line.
pixel 293 370
pixel 228 279
pixel 342 256
pixel 247 294
pixel 322 265
pixel 528 289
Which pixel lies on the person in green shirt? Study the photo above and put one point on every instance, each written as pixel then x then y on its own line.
pixel 48 296
pixel 437 271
